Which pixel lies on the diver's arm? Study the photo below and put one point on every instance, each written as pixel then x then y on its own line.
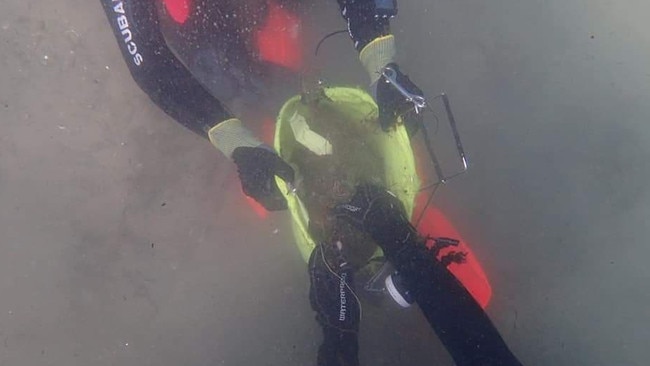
pixel 458 320
pixel 157 71
pixel 173 88
pixel 369 28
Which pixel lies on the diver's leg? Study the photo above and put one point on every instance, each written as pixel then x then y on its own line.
pixel 337 307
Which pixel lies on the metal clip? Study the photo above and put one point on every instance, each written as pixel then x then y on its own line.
pixel 418 101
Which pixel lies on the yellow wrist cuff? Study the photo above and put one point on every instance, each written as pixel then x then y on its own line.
pixel 231 134
pixel 377 54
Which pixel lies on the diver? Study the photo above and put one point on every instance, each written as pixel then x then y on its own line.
pixel 197 60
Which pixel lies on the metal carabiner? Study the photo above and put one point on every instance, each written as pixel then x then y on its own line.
pixel 391 76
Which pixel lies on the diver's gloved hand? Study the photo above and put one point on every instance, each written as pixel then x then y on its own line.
pixel 393 105
pixel 257 163
pixel 376 57
pixel 381 214
pixel 257 168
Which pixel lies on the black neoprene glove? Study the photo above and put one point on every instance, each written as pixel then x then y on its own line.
pixel 393 104
pixel 257 167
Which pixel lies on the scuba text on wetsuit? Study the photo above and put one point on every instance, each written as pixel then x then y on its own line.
pixel 123 24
